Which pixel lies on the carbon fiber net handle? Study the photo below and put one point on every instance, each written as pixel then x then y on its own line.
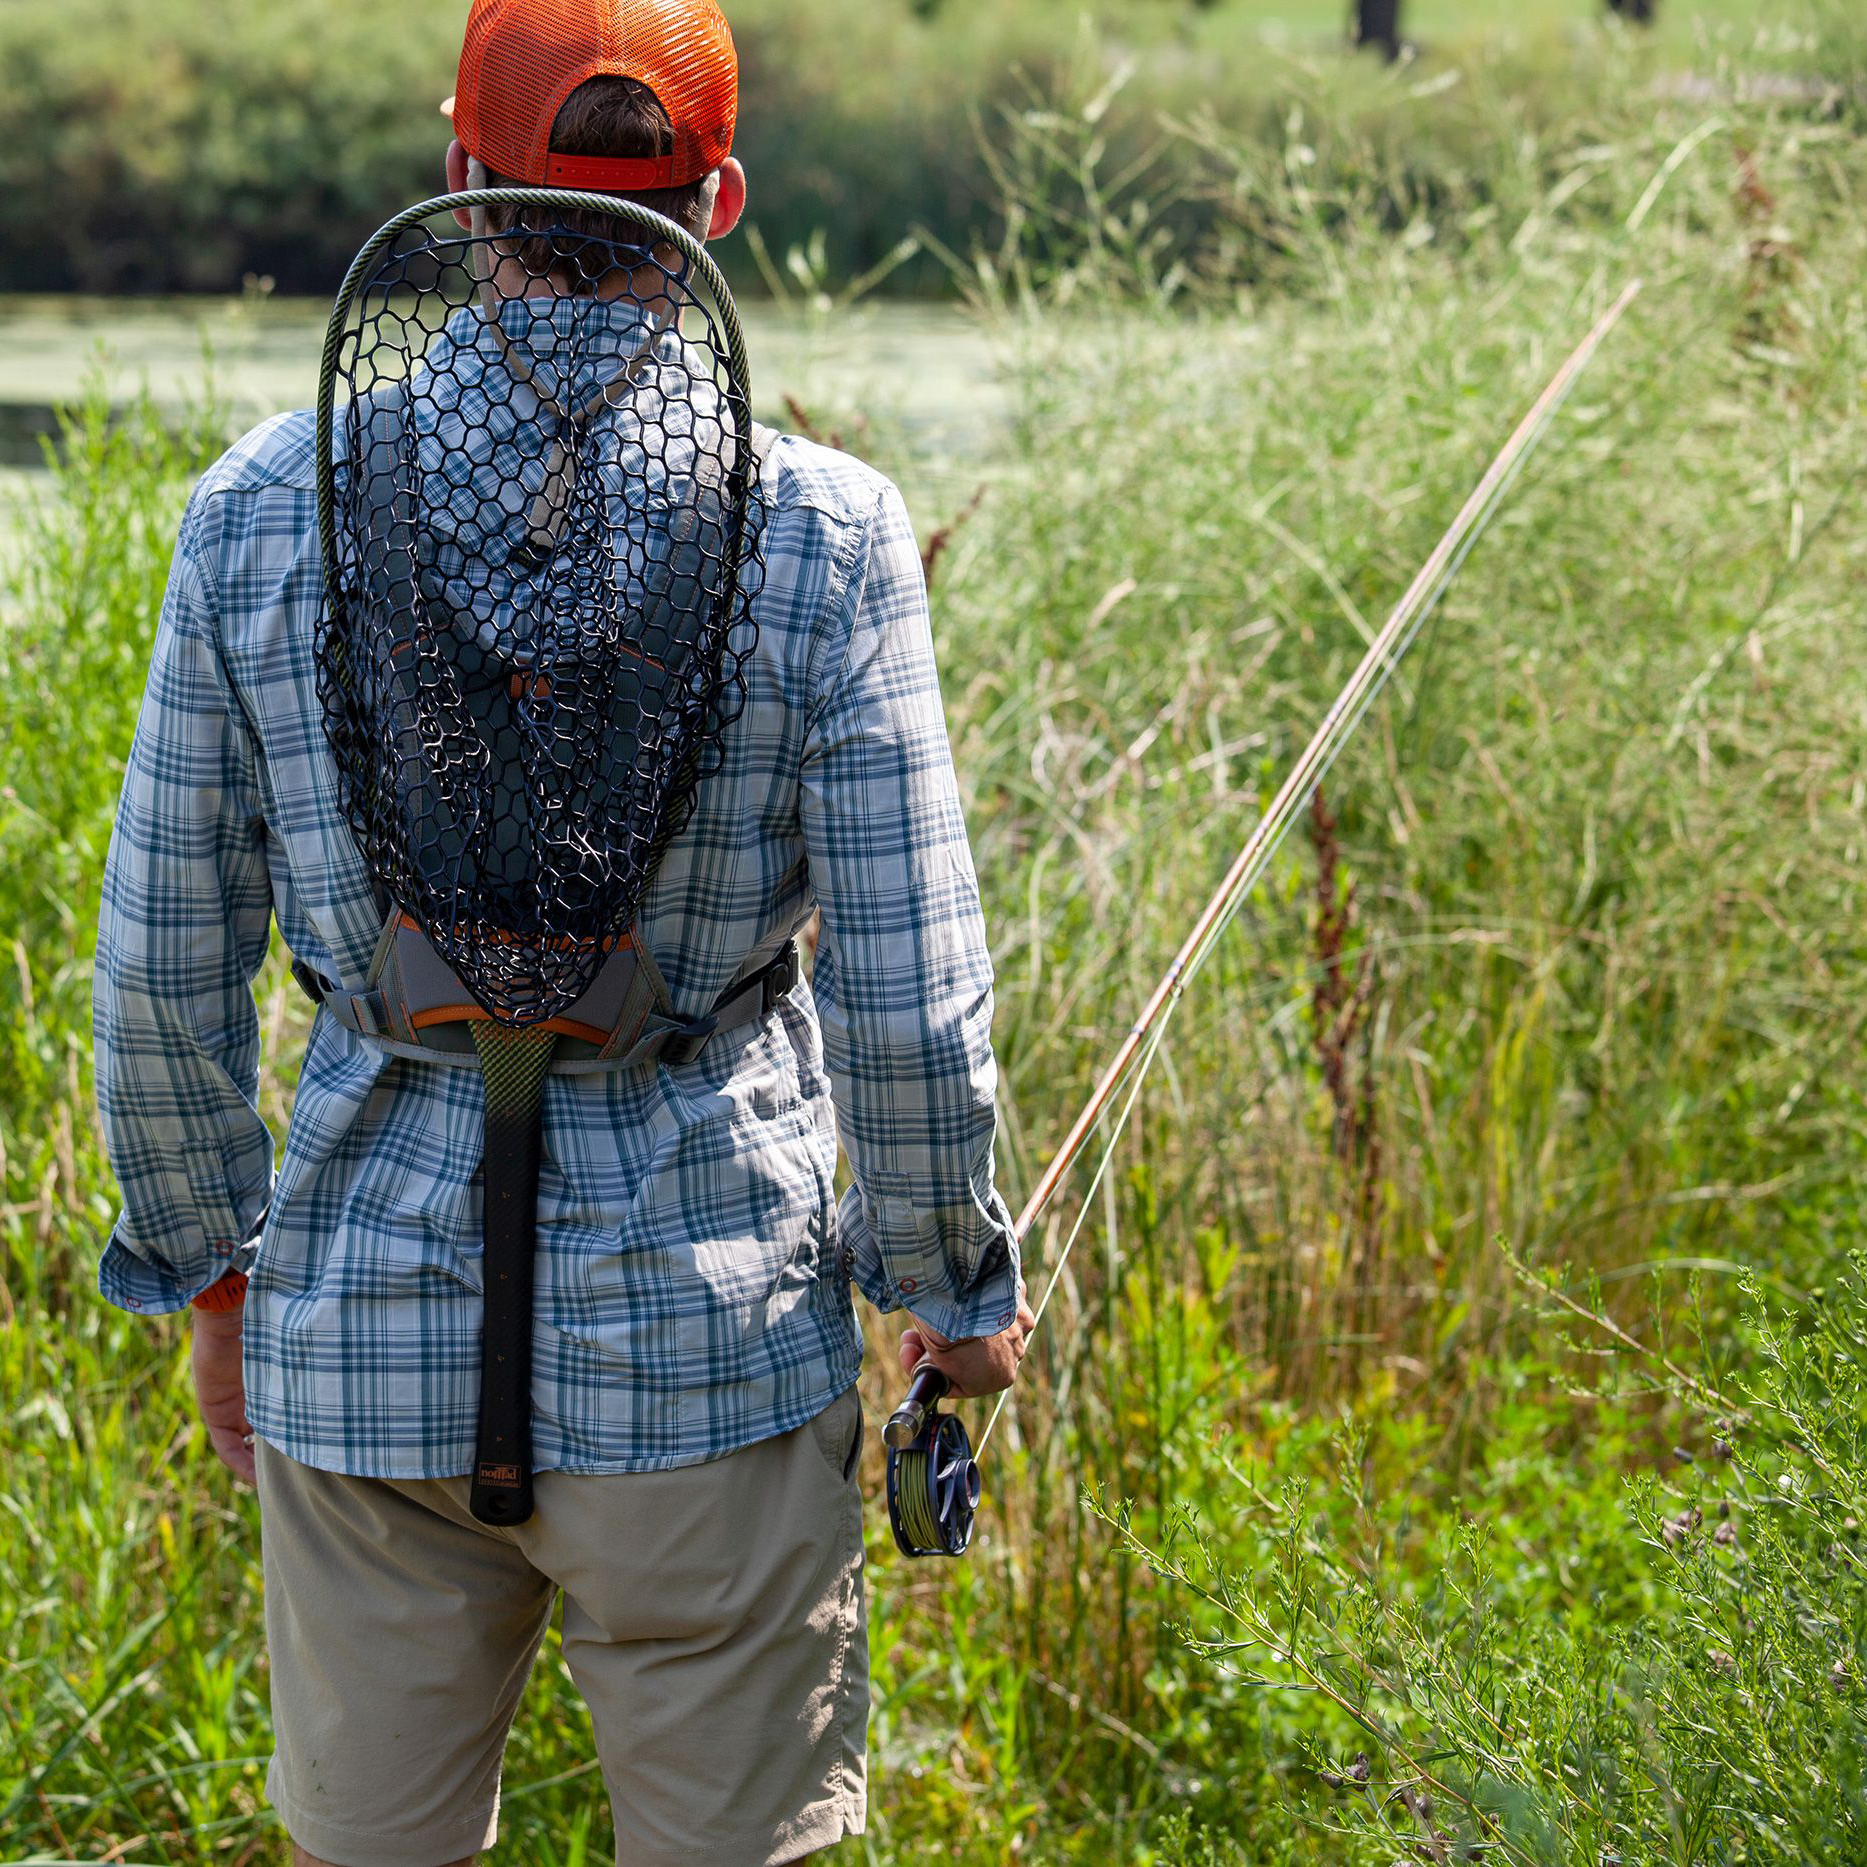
pixel 514 1064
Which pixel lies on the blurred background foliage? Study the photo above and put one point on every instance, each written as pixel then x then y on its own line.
pixel 178 145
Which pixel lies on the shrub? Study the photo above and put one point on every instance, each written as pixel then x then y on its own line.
pixel 170 145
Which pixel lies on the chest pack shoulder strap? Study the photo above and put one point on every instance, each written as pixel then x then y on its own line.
pixel 764 439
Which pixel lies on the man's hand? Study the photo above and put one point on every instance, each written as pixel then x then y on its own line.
pixel 982 1364
pixel 220 1389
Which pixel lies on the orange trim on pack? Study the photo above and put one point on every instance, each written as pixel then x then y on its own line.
pixel 477 1014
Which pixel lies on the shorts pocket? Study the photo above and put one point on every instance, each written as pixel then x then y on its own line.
pixel 838 1429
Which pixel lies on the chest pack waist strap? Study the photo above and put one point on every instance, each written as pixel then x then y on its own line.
pixel 415 1006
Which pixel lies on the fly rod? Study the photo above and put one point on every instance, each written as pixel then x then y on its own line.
pixel 933 1479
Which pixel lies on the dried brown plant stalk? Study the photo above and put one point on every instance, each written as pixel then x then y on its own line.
pixel 1340 1002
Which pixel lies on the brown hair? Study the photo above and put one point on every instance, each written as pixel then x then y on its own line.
pixel 605 117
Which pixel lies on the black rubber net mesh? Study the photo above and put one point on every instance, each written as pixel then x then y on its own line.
pixel 538 587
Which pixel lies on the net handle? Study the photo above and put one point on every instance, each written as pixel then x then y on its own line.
pixel 469 200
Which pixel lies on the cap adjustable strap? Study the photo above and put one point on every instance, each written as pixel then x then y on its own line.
pixel 610 174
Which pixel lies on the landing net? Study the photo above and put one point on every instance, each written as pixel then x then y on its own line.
pixel 537 498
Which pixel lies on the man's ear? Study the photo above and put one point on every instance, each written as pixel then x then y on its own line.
pixel 729 201
pixel 457 178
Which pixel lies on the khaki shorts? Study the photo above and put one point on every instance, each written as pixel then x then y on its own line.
pixel 713 1620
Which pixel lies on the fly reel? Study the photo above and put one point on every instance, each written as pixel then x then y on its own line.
pixel 933 1479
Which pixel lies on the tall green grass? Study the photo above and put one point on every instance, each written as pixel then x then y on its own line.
pixel 1604 840
pixel 1557 1009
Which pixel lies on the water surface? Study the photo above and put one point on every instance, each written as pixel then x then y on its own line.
pixel 926 366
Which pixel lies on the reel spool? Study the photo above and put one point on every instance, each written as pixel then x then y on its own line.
pixel 933 1479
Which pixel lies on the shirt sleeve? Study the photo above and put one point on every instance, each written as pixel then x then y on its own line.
pixel 187 907
pixel 903 977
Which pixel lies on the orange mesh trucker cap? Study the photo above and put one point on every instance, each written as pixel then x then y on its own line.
pixel 522 58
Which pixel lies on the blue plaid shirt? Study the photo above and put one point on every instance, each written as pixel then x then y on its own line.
pixel 694 1265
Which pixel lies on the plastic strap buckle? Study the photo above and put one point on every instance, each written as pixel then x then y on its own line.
pixel 311 982
pixel 365 1013
pixel 686 1041
pixel 780 976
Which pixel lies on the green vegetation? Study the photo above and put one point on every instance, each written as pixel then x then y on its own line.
pixel 1464 1355
pixel 178 145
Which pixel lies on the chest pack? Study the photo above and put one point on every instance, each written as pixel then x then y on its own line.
pixel 413 1004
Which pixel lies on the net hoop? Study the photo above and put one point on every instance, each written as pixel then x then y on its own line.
pixel 524 676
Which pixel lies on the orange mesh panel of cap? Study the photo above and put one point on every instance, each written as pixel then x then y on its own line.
pixel 521 59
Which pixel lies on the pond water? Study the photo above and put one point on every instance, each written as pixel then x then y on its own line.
pixel 926 369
